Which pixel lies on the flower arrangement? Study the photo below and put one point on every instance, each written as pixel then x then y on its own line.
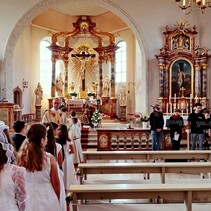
pixel 91 94
pixel 144 118
pixel 96 119
pixel 73 94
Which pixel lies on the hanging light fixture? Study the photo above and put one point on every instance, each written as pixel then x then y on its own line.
pixel 186 5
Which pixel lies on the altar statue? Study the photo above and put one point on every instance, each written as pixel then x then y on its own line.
pixel 106 86
pixel 39 95
pixel 72 87
pixel 59 85
pixel 94 87
pixel 122 96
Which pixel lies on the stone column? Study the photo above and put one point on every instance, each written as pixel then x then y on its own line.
pixel 38 113
pixel 197 81
pixel 112 78
pixel 204 80
pixel 161 82
pixel 100 77
pixel 53 80
pixel 166 82
pixel 66 94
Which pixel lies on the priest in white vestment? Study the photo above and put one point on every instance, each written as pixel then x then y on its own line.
pixel 55 114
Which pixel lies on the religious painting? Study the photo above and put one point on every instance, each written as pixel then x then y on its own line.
pixel 181 78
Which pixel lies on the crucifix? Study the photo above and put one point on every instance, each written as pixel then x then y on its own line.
pixel 83 58
pixel 182 91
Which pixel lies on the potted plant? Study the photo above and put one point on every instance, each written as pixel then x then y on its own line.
pixel 144 119
pixel 96 119
pixel 73 95
pixel 91 95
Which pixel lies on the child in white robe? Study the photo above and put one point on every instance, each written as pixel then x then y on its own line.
pixel 75 136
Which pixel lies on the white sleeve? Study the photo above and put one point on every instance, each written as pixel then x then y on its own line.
pixel 18 176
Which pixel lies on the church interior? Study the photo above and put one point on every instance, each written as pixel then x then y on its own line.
pixel 121 58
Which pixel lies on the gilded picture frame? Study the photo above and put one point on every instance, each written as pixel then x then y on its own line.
pixel 181 78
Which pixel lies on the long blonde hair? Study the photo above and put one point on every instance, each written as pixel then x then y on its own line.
pixel 31 155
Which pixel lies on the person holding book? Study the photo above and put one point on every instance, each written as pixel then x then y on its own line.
pixel 175 123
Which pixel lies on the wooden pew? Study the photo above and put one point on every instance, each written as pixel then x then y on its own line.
pixel 147 155
pixel 173 193
pixel 144 168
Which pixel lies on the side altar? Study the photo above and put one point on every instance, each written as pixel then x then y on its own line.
pixel 182 70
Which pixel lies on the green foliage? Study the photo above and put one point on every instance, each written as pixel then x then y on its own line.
pixel 96 117
pixel 73 94
pixel 91 94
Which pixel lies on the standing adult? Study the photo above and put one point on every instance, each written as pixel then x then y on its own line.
pixel 43 185
pixel 207 129
pixel 156 123
pixel 195 120
pixel 55 114
pixel 176 124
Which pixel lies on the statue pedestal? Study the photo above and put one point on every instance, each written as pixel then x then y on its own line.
pixel 83 95
pixel 38 113
pixel 123 113
pixel 112 108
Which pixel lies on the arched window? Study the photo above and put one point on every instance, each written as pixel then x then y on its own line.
pixel 45 67
pixel 120 62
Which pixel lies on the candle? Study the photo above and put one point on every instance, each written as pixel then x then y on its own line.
pixel 175 97
pixel 196 98
pixel 203 2
pixel 184 3
pixel 182 105
pixel 187 109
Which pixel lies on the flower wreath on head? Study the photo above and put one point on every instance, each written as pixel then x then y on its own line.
pixel 4 141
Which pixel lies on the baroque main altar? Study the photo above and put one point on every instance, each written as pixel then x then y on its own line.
pixel 88 59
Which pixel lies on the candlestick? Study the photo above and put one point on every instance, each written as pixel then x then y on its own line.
pixel 187 109
pixel 175 97
pixel 171 108
pixel 196 99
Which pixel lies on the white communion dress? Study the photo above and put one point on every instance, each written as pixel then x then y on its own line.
pixel 61 180
pixel 68 167
pixel 13 195
pixel 41 194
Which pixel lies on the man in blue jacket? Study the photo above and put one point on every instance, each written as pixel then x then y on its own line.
pixel 156 123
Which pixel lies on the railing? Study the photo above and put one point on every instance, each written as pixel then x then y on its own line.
pixel 28 118
pixel 128 139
